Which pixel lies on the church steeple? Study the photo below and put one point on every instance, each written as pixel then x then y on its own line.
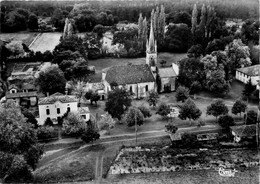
pixel 151 43
pixel 151 48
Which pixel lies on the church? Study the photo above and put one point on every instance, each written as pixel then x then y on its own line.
pixel 139 79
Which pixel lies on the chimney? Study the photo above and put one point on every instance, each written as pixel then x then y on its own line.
pixel 47 94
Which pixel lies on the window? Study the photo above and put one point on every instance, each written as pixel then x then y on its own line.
pixel 68 109
pixel 131 90
pixel 47 111
pixel 13 91
pixel 146 87
pixel 58 110
pixel 83 116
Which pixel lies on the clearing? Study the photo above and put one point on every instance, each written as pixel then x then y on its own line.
pixel 46 41
pixel 26 38
pixel 107 62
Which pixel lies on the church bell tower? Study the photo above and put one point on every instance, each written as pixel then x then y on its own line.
pixel 151 49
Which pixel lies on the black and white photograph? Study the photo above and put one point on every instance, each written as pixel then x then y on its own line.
pixel 130 91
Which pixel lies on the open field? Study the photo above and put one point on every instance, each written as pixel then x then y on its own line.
pixel 26 38
pixel 46 41
pixel 107 62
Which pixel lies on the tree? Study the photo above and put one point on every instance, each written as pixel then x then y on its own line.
pixel 178 38
pixel 182 94
pixel 118 101
pixel 132 116
pixel 190 70
pixel 16 48
pixel 33 22
pixel 48 122
pixel 18 144
pixel 239 107
pixel 99 29
pixel 182 17
pixel 95 97
pixel 92 96
pixel 163 110
pixel 90 135
pixel 225 121
pixel 73 125
pixel 152 98
pixel 30 117
pixel 78 90
pixel 189 110
pixel 251 117
pixel 195 51
pixel 217 108
pixel 145 111
pixel 51 80
pixel 239 54
pixel 194 19
pixel 248 89
pixel 106 122
pixel 195 88
pixel 171 128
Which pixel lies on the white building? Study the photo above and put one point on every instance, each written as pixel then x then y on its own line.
pixel 138 79
pixel 246 73
pixel 56 105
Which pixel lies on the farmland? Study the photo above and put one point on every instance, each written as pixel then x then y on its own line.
pixel 46 41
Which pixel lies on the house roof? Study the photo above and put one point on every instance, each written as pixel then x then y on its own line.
pixel 27 67
pixel 167 72
pixel 244 130
pixel 28 86
pixel 83 110
pixel 13 86
pixel 57 97
pixel 21 94
pixel 251 70
pixel 129 74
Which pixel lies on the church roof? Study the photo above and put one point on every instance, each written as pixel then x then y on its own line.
pixel 129 74
pixel 57 97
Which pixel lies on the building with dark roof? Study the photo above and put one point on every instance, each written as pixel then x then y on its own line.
pixel 24 94
pixel 243 132
pixel 138 79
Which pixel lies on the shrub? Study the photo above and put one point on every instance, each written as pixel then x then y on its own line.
pixel 225 121
pixel 145 111
pixel 48 122
pixel 46 132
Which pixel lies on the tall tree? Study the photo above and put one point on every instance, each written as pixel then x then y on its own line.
pixel 182 94
pixel 117 103
pixel 152 98
pixel 194 19
pixel 248 89
pixel 19 150
pixel 33 22
pixel 132 116
pixel 189 110
pixel 217 108
pixel 51 80
pixel 239 107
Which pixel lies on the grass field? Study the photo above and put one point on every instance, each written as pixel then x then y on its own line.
pixel 107 62
pixel 26 38
pixel 46 41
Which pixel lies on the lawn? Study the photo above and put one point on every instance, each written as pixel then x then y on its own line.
pixel 46 41
pixel 107 62
pixel 79 166
pixel 26 38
